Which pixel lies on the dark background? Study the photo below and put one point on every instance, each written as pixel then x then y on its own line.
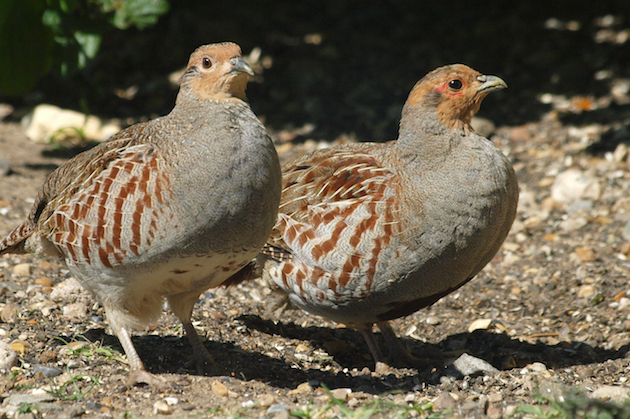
pixel 369 55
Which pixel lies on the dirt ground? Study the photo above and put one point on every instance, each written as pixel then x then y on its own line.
pixel 550 312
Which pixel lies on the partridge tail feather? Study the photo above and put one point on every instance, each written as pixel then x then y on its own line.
pixel 276 253
pixel 14 242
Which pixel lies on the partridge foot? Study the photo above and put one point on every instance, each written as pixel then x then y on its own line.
pixel 397 352
pixel 201 361
pixel 143 377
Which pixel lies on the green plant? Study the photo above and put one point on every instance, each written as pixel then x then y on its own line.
pixel 71 390
pixel 92 349
pixel 37 36
pixel 378 406
pixel 26 407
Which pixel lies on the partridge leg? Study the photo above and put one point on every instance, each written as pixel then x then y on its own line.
pixel 137 375
pixel 380 366
pixel 396 348
pixel 182 306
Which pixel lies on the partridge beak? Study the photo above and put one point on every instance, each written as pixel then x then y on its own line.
pixel 240 66
pixel 490 84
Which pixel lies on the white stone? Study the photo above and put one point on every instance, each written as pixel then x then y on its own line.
pixel 482 324
pixel 75 311
pixel 46 122
pixel 22 269
pixel 573 185
pixel 67 290
pixel 8 357
pixel 612 393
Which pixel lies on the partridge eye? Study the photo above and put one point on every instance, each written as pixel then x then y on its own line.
pixel 206 62
pixel 455 84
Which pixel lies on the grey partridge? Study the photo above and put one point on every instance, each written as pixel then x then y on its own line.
pixel 166 208
pixel 369 232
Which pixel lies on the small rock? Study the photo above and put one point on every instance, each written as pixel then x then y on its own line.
pixel 48 122
pixel 482 324
pixel 302 348
pixel 572 185
pixel 341 393
pixel 581 205
pixel 469 365
pixel 433 320
pixel 537 367
pixel 44 282
pixel 18 399
pixel 493 412
pixel 612 393
pixel 67 290
pixel 46 371
pixel 219 390
pixel 22 269
pixel 75 311
pixel 445 401
pixel 276 408
pixel 303 388
pixel 19 346
pixel 572 224
pixel 495 397
pixel 266 400
pixel 9 313
pixel 8 357
pixel 585 254
pixel 621 153
pixel 171 401
pixel 161 408
pixel 586 291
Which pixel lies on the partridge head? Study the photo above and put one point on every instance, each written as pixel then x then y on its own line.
pixel 166 208
pixel 370 232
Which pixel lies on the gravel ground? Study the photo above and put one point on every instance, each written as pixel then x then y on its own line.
pixel 551 312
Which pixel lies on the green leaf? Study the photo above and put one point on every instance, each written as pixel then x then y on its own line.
pixel 138 13
pixel 26 45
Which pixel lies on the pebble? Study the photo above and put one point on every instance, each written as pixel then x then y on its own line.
pixel 586 291
pixel 171 401
pixel 266 400
pixel 302 348
pixel 573 185
pixel 444 401
pixel 22 269
pixel 537 367
pixel 482 324
pixel 44 282
pixel 47 121
pixel 611 393
pixel 219 390
pixel 341 393
pixel 585 254
pixel 75 311
pixel 433 320
pixel 276 408
pixel 494 397
pixel 19 346
pixel 67 290
pixel 47 371
pixel 161 408
pixel 303 388
pixel 9 313
pixel 8 357
pixel 18 399
pixel 469 365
